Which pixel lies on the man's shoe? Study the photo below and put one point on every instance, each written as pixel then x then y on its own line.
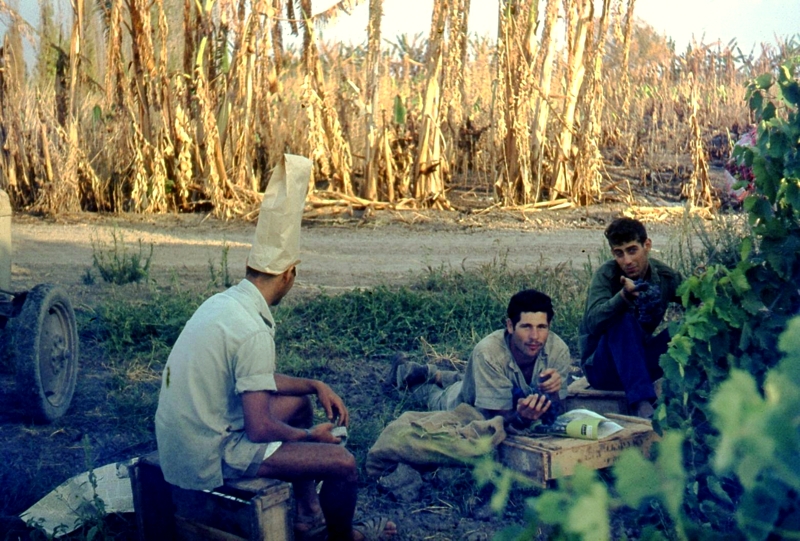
pixel 390 380
pixel 644 409
pixel 410 375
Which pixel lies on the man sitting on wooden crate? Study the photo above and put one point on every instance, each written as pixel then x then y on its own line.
pixel 626 302
pixel 224 412
pixel 510 372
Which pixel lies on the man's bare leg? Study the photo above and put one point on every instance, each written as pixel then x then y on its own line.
pixel 305 463
pixel 301 462
pixel 299 412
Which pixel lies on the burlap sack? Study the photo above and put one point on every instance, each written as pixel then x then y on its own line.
pixel 438 438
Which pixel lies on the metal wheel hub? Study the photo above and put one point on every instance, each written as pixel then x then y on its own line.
pixel 54 355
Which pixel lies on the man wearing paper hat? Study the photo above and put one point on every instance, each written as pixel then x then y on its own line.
pixel 224 412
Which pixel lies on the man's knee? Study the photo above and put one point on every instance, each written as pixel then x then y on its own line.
pixel 342 463
pixel 626 326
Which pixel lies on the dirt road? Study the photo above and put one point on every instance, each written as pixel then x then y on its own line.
pixel 334 256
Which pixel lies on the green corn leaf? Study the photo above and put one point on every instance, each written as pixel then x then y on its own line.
pixel 399 111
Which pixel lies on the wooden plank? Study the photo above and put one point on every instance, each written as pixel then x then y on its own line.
pixel 152 499
pixel 255 485
pixel 519 456
pixel 546 458
pixel 223 512
pixel 581 396
pixel 252 509
pixel 603 405
pixel 272 521
pixel 189 530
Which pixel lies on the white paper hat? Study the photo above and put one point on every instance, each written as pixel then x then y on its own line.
pixel 276 244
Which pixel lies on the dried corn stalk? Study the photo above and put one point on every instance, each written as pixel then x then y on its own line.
pixel 63 195
pixel 698 188
pixel 543 73
pixel 580 20
pixel 514 186
pixel 215 177
pixel 453 76
pixel 626 54
pixel 586 184
pixel 429 167
pixel 369 190
pixel 331 145
pixel 184 173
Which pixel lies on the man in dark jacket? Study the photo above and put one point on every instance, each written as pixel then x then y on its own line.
pixel 627 300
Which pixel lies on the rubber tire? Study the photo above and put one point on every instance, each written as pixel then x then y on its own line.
pixel 46 353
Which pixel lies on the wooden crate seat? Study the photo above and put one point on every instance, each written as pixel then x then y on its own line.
pixel 253 509
pixel 580 395
pixel 547 458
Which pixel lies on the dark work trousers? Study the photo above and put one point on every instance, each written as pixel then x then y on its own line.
pixel 626 359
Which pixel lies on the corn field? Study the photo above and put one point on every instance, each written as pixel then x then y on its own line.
pixel 156 106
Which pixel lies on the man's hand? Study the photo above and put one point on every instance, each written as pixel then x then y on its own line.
pixel 321 433
pixel 334 407
pixel 628 291
pixel 532 406
pixel 550 381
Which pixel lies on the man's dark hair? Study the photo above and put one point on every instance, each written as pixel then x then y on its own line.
pixel 529 300
pixel 624 230
pixel 254 274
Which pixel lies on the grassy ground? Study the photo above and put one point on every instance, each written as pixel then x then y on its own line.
pixel 345 339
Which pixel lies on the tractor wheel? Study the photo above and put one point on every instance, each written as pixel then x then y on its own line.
pixel 46 353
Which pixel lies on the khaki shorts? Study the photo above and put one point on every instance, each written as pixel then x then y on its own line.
pixel 264 451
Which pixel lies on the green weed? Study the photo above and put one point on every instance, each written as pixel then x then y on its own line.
pixel 147 325
pixel 220 275
pixel 119 265
pixel 137 336
pixel 698 243
pixel 445 308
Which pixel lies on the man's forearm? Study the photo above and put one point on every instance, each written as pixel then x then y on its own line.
pixel 292 386
pixel 507 415
pixel 600 314
pixel 510 417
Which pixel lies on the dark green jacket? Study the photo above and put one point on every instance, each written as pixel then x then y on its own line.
pixel 604 304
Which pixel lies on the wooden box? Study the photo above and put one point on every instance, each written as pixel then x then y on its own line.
pixel 581 396
pixel 547 458
pixel 254 509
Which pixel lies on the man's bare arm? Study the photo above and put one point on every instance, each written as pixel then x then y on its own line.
pixel 528 409
pixel 334 407
pixel 262 427
pixel 292 386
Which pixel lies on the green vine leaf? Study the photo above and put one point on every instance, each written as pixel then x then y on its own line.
pixel 764 81
pixel 639 479
pixel 791 93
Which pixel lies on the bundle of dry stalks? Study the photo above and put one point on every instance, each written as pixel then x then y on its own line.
pixel 156 105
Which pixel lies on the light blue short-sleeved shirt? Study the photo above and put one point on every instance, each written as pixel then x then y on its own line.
pixel 225 349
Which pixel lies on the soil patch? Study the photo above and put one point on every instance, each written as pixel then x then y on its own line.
pixel 339 252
